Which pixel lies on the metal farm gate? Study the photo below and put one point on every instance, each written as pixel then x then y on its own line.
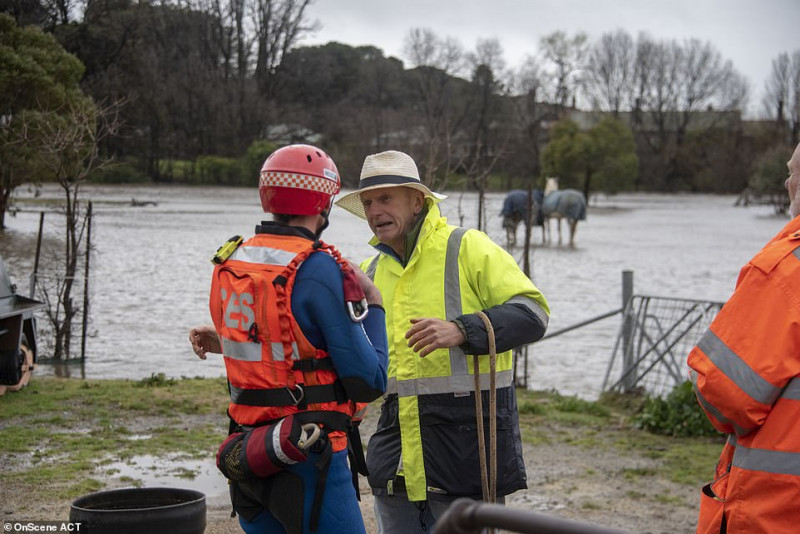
pixel 655 336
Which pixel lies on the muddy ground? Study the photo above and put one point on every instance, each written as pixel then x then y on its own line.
pixel 566 478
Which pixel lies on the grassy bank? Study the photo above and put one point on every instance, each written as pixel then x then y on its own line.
pixel 607 425
pixel 55 433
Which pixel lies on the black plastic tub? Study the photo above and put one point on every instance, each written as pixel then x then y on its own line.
pixel 137 510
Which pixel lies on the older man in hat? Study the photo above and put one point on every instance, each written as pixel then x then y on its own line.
pixel 434 277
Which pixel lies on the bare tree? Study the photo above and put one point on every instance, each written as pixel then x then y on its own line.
pixel 782 97
pixel 436 62
pixel 486 147
pixel 677 87
pixel 67 146
pixel 564 57
pixel 610 72
pixel 278 25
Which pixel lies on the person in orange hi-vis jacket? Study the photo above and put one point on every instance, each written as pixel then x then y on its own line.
pixel 746 373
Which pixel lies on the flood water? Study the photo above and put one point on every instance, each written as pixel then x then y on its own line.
pixel 150 269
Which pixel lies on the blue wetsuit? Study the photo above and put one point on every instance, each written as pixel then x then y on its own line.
pixel 359 354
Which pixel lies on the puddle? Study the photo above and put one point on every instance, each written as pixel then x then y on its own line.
pixel 153 471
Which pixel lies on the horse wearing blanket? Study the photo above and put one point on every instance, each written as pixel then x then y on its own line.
pixel 515 210
pixel 567 204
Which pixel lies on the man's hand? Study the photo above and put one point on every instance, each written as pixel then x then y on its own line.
pixel 204 339
pixel 429 333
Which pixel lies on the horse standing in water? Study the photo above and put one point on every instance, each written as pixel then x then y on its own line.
pixel 568 204
pixel 515 210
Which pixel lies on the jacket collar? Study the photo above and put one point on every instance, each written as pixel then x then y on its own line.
pixel 278 228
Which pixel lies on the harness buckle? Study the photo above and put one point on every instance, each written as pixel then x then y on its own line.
pixel 296 398
pixel 358 311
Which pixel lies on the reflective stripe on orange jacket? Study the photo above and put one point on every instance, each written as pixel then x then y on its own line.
pixel 272 369
pixel 745 369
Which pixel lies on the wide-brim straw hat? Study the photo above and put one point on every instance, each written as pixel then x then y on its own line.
pixel 385 169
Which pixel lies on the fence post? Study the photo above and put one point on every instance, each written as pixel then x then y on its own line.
pixel 36 261
pixel 627 332
pixel 86 281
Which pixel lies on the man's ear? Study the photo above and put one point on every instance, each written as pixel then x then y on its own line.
pixel 418 200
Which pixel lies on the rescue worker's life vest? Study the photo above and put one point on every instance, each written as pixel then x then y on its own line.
pixel 273 370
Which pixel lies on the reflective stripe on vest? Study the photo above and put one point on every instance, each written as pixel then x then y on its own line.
pixel 533 306
pixel 710 408
pixel 776 462
pixel 372 267
pixel 249 351
pixel 452 301
pixel 263 255
pixel 445 384
pixel 737 369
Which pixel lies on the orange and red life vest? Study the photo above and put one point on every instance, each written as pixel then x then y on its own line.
pixel 273 370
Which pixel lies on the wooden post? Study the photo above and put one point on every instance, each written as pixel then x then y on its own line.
pixel 86 280
pixel 526 262
pixel 38 250
pixel 627 332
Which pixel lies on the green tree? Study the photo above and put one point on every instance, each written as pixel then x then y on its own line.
pixel 603 158
pixel 614 157
pixel 38 79
pixel 769 175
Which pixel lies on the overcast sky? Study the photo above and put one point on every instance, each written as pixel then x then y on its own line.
pixel 751 33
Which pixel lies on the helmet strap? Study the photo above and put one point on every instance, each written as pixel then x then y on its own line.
pixel 325 215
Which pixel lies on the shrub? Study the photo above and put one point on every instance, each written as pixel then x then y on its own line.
pixel 253 159
pixel 679 414
pixel 177 170
pixel 218 170
pixel 118 173
pixel 573 404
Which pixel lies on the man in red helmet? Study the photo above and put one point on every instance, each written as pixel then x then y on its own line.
pixel 301 353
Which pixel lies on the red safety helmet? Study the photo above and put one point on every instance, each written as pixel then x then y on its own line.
pixel 298 180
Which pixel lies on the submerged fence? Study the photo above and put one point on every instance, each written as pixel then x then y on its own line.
pixel 654 338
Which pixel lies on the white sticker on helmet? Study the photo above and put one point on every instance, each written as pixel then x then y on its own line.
pixel 329 174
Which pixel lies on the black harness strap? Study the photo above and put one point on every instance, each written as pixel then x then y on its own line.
pixel 313 364
pixel 355 452
pixel 323 465
pixel 286 397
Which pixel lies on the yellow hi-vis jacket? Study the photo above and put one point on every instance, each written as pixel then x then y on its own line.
pixel 451 271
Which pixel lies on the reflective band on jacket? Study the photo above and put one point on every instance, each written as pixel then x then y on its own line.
pixel 737 369
pixel 792 390
pixel 776 462
pixel 452 300
pixel 710 408
pixel 249 351
pixel 445 384
pixel 533 306
pixel 263 255
pixel 372 267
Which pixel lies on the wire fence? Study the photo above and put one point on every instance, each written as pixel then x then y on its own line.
pixel 655 336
